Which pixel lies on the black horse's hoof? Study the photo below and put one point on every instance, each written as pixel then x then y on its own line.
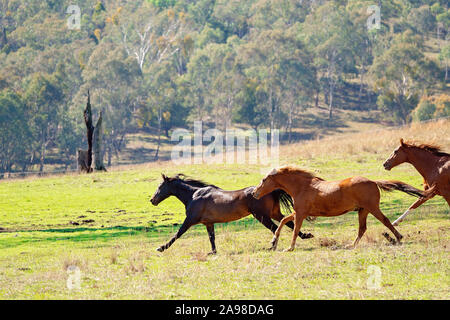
pixel 160 249
pixel 212 253
pixel 389 238
pixel 307 236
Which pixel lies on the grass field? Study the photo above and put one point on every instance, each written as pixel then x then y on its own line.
pixel 104 225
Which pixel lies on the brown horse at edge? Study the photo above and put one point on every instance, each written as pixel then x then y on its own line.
pixel 431 162
pixel 314 196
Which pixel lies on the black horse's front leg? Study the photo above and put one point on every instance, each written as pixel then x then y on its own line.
pixel 188 222
pixel 212 238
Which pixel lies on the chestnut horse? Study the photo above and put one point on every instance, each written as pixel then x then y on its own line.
pixel 432 164
pixel 208 204
pixel 314 196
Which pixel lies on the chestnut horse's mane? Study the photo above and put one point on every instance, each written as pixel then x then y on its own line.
pixel 294 170
pixel 434 149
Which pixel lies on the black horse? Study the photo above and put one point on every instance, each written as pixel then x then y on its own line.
pixel 209 204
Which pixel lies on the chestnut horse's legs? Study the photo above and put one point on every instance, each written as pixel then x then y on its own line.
pixel 297 226
pixel 212 238
pixel 362 216
pixel 188 222
pixel 278 231
pixel 384 220
pixel 415 205
pixel 278 216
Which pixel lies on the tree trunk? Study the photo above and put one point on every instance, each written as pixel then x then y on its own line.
pixel 42 159
pixel 316 103
pixel 159 134
pixel 361 83
pixel 97 145
pixel 90 131
pixel 3 38
pixel 94 139
pixel 331 103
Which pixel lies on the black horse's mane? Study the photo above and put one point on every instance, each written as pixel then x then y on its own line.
pixel 193 182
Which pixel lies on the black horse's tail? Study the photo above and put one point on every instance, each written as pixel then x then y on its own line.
pixel 286 202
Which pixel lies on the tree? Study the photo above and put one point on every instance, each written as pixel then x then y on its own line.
pixel 400 76
pixel 331 37
pixel 43 96
pixel 15 135
pixel 249 105
pixel 422 19
pixel 444 57
pixel 114 78
pixel 154 39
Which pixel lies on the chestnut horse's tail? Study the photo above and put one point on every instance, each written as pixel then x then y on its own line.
pixel 400 186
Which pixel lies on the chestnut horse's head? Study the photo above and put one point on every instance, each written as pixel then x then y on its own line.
pixel 267 185
pixel 397 157
pixel 163 192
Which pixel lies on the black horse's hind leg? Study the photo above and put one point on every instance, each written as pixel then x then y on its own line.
pixel 266 221
pixel 188 222
pixel 212 238
pixel 302 235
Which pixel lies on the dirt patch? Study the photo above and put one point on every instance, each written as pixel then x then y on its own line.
pixel 325 242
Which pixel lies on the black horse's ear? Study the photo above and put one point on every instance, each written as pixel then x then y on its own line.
pixel 164 176
pixel 402 142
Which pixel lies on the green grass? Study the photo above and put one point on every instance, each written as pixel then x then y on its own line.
pixel 117 257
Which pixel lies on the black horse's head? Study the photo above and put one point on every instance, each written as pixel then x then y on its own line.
pixel 163 192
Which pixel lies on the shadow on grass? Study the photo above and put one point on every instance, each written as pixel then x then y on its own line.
pixel 96 234
pixel 12 239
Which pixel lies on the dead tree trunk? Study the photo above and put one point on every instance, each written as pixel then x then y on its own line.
pixel 82 164
pixel 97 145
pixel 94 139
pixel 90 131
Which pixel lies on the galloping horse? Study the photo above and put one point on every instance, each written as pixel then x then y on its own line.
pixel 314 196
pixel 208 204
pixel 432 164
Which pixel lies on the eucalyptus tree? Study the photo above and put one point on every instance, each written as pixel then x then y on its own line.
pixel 43 96
pixel 15 135
pixel 401 75
pixel 331 37
pixel 113 79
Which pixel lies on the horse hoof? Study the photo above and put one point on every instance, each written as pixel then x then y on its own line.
pixel 212 253
pixel 289 249
pixel 307 236
pixel 389 238
pixel 160 249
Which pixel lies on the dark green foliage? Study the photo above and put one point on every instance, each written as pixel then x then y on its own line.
pixel 156 65
pixel 162 4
